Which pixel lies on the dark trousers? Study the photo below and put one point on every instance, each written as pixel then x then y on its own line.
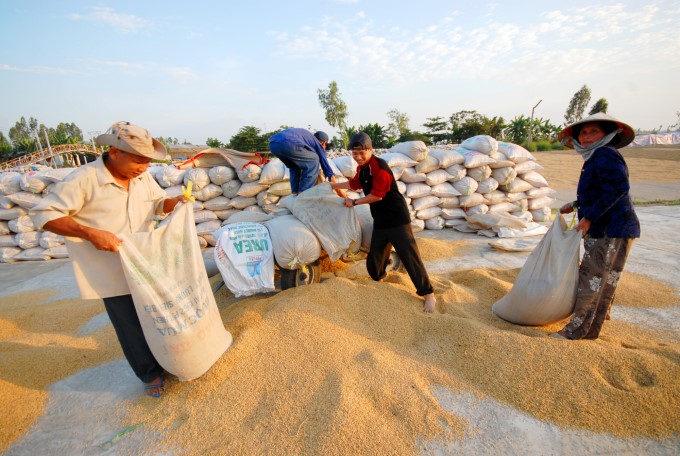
pixel 405 245
pixel 302 163
pixel 123 316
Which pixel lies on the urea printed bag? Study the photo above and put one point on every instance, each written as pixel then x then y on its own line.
pixel 244 256
pixel 545 289
pixel 169 285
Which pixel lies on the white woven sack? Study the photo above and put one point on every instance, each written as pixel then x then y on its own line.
pixel 453 212
pixel 174 191
pixel 366 223
pixel 48 240
pixel 397 160
pixel 197 205
pixel 478 209
pixel 457 172
pixel 533 229
pixel 427 164
pixel 199 177
pixel 57 251
pixel 33 182
pixel 437 177
pixel 226 213
pixel 445 189
pixel 249 173
pixel 426 201
pixel 418 190
pixel 512 197
pixel 470 200
pixel 208 192
pixel 4 228
pixel 8 240
pixel 496 219
pixel 165 271
pixel 208 227
pixel 466 186
pixel 446 158
pixel 247 216
pixel 487 185
pixel 59 174
pixel 28 240
pixel 274 171
pixel 539 203
pixel 450 223
pixel 10 183
pixel 5 203
pixel 541 215
pixel 219 203
pixel 27 200
pixel 474 159
pixel 527 166
pixel 416 150
pixel 221 174
pixel 479 173
pixel 449 201
pixel 501 160
pixel 22 224
pixel 32 254
pixel 280 189
pixel 264 198
pixel 396 172
pixel 294 244
pixel 251 188
pixel 7 253
pixel 428 213
pixel 541 191
pixel 204 216
pixel 346 165
pixel 417 225
pixel 518 185
pixel 410 176
pixel 335 225
pixel 171 176
pixel 484 144
pixel 504 175
pixel 242 202
pixel 514 152
pixel 435 223
pixel 545 289
pixel 15 212
pixel 230 189
pixel 494 197
pixel 401 186
pixel 534 179
pixel 503 207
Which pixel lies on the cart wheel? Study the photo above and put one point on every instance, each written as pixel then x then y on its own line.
pixel 306 275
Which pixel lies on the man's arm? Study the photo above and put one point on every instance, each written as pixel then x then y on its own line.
pixel 101 239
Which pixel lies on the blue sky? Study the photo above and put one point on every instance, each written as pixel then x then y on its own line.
pixel 194 70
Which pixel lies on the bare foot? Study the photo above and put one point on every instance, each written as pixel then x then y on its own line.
pixel 430 303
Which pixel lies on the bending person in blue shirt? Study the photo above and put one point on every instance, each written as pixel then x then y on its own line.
pixel 302 153
pixel 606 215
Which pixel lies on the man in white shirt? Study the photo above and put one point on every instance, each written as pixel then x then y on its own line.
pixel 111 195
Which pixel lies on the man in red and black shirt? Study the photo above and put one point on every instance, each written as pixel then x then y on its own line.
pixel 391 218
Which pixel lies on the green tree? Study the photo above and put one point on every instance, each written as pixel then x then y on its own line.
pixel 577 106
pixel 248 139
pixel 5 147
pixel 600 105
pixel 214 142
pixel 398 123
pixel 465 124
pixel 378 135
pixel 23 129
pixel 415 136
pixel 436 129
pixel 69 132
pixel 335 107
pixel 517 130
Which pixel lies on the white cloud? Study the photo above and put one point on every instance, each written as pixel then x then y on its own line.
pixel 124 23
pixel 181 74
pixel 33 69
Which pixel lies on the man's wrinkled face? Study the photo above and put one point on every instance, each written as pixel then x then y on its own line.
pixel 361 156
pixel 124 165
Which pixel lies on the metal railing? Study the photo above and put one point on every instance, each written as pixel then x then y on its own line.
pixel 49 153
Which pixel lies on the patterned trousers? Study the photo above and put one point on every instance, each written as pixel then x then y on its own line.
pixel 598 276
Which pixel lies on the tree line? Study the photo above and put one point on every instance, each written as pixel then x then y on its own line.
pixel 27 135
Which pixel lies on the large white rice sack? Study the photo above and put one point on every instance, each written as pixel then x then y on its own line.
pixel 501 160
pixel 449 201
pixel 12 213
pixel 426 201
pixel 226 213
pixel 473 199
pixel 22 224
pixel 4 228
pixel 280 189
pixel 481 143
pixel 534 179
pixel 10 183
pixel 251 188
pixel 208 227
pixel 28 240
pixel 496 219
pixel 219 203
pixel 199 177
pixel 514 152
pixel 416 150
pixel 435 223
pixel 504 175
pixel 396 172
pixel 365 218
pixel 503 207
pixel 512 197
pixel 401 186
pixel 247 216
pixel 436 177
pixel 230 189
pixel 527 166
pixel 221 174
pixel 8 253
pixel 59 174
pixel 8 240
pixel 540 191
pixel 478 209
pixel 171 176
pixel 445 189
pixel 446 158
pixel 427 164
pixel 429 213
pixel 32 254
pixel 49 240
pixel 494 197
pixel 58 251
pixel 417 225
pixel 274 171
pixel 204 216
pixel 457 172
pixel 479 173
pixel 474 159
pixel 418 190
pixel 294 244
pixel 249 173
pixel 346 165
pixel 453 212
pixel 539 203
pixel 174 191
pixel 466 186
pixel 410 176
pixel 24 199
pixel 518 185
pixel 34 182
pixel 396 160
pixel 5 203
pixel 242 202
pixel 208 192
pixel 487 185
pixel 543 214
pixel 264 198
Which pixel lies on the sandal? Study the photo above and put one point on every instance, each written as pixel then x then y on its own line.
pixel 155 389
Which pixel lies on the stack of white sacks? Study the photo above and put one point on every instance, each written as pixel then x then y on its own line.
pixel 484 186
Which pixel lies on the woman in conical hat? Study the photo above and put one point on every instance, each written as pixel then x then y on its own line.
pixel 606 216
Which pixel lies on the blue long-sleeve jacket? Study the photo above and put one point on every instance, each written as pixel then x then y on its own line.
pixel 603 196
pixel 302 137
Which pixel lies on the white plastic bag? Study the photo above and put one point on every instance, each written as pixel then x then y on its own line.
pixel 169 285
pixel 244 256
pixel 545 289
